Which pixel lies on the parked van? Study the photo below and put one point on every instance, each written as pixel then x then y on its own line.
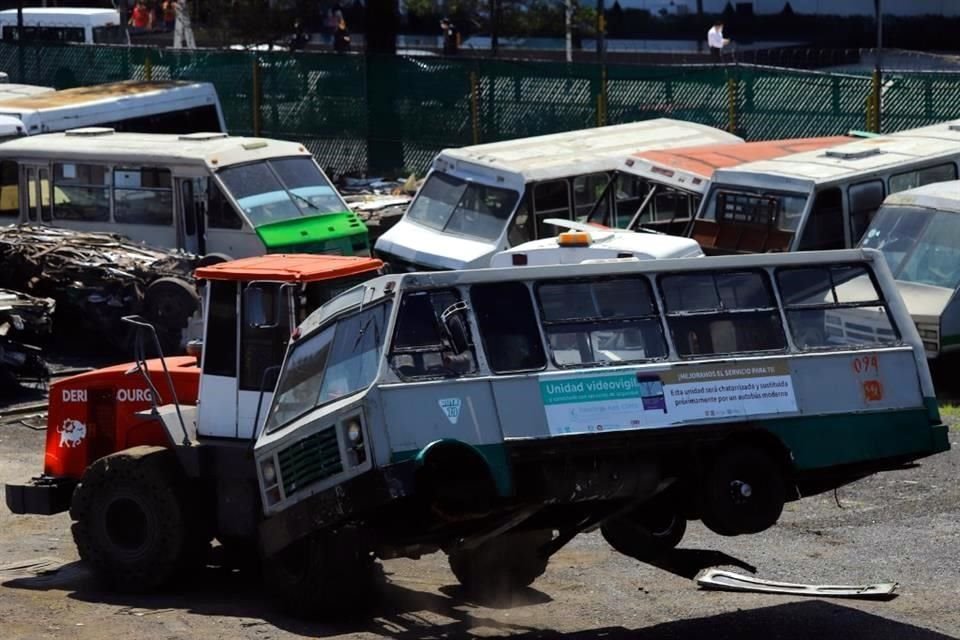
pixel 149 107
pixel 918 232
pixel 482 199
pixel 661 189
pixel 497 413
pixel 820 199
pixel 205 193
pixel 64 25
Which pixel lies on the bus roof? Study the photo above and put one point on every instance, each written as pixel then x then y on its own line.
pixel 82 96
pixel 13 91
pixel 861 157
pixel 279 267
pixel 583 151
pixel 942 196
pixel 98 144
pixel 61 17
pixel 691 167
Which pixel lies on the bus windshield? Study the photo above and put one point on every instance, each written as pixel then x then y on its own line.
pixel 336 361
pixel 450 204
pixel 280 189
pixel 920 245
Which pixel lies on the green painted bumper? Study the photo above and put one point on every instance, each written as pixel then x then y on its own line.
pixel 343 233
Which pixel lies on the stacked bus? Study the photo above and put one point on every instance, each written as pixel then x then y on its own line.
pixel 482 199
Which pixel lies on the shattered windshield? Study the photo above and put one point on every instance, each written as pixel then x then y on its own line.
pixel 280 189
pixel 920 245
pixel 450 204
pixel 336 361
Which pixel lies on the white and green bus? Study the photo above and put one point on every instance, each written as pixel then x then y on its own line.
pixel 496 413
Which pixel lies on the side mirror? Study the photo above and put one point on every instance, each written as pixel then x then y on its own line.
pixel 455 326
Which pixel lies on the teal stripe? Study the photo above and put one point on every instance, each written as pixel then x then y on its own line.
pixel 495 455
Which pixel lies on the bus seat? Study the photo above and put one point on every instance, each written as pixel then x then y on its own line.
pixel 723 336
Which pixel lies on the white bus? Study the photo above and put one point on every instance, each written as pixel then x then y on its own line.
pixel 64 24
pixel 482 199
pixel 205 193
pixel 918 232
pixel 150 107
pixel 821 199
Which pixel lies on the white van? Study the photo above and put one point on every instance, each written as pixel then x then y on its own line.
pixel 918 232
pixel 823 199
pixel 64 24
pixel 482 199
pixel 132 105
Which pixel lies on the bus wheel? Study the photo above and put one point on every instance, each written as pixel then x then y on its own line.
pixel 646 533
pixel 212 258
pixel 502 565
pixel 129 519
pixel 168 305
pixel 323 576
pixel 744 491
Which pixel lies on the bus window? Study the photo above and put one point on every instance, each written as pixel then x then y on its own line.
pixel 920 177
pixel 824 228
pixel 721 313
pixel 586 190
pixel 9 190
pixel 834 307
pixel 203 119
pixel 220 213
pixel 550 200
pixel 83 192
pixel 603 321
pixel 519 231
pixel 114 34
pixel 511 338
pixel 45 34
pixel 864 199
pixel 420 347
pixel 142 196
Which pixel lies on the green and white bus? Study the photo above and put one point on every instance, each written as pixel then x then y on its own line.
pixel 205 193
pixel 496 413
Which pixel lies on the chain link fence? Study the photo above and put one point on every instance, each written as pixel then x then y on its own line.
pixel 392 114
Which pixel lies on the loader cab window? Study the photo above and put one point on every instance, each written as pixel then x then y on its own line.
pixel 220 343
pixel 264 332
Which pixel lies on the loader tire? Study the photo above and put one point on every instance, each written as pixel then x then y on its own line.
pixel 326 576
pixel 502 565
pixel 647 533
pixel 129 519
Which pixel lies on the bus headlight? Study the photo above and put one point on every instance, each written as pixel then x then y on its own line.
pixel 269 473
pixel 354 432
pixel 356 449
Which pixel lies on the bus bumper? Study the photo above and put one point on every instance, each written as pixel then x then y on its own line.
pixel 940 438
pixel 43 496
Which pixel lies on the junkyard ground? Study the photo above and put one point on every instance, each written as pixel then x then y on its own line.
pixel 901 526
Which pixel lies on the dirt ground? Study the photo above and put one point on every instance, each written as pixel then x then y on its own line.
pixel 901 526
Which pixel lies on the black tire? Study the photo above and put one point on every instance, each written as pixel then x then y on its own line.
pixel 129 519
pixel 502 565
pixel 212 258
pixel 647 533
pixel 744 491
pixel 168 305
pixel 328 576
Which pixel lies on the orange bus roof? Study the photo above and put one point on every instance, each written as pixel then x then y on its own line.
pixel 280 267
pixel 706 159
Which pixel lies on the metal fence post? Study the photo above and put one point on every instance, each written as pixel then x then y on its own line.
pixel 256 96
pixel 874 117
pixel 732 105
pixel 602 97
pixel 148 67
pixel 474 108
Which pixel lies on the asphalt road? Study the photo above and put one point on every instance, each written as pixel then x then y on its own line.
pixel 901 526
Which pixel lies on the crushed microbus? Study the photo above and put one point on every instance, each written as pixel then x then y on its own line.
pixel 496 413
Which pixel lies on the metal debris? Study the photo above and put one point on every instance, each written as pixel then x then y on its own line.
pixel 379 203
pixel 23 320
pixel 95 278
pixel 717 579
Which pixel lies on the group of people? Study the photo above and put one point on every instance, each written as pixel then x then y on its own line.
pixel 334 24
pixel 147 15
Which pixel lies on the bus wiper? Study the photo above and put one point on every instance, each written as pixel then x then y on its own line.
pixel 304 200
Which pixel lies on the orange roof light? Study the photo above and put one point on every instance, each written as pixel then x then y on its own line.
pixel 574 239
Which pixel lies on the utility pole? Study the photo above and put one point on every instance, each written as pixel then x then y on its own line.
pixel 878 69
pixel 494 27
pixel 601 31
pixel 568 15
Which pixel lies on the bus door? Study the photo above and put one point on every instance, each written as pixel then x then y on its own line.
pixel 191 208
pixel 36 201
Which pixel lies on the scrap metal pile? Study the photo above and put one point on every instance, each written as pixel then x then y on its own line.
pixel 96 279
pixel 22 318
pixel 379 203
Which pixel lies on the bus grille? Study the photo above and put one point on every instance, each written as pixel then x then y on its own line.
pixel 310 460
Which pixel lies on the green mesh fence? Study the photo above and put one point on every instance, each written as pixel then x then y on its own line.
pixel 392 114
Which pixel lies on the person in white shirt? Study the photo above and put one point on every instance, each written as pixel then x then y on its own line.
pixel 716 41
